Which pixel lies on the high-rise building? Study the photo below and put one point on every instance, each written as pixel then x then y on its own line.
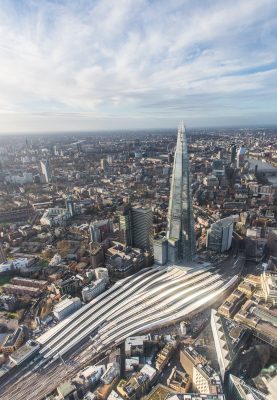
pixel 97 255
pixel 240 157
pixel 125 225
pixel 218 168
pixel 2 254
pixel 46 171
pixel 142 220
pixel 98 229
pixel 219 236
pixel 135 226
pixel 180 238
pixel 180 226
pixel 238 389
pixel 79 147
pixel 110 159
pixel 70 206
pixel 160 246
pixel 103 163
pixel 233 153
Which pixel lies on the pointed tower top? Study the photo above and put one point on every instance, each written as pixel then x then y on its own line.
pixel 181 131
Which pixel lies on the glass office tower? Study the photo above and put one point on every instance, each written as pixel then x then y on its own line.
pixel 180 225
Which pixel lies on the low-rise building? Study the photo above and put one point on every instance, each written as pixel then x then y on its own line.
pixel 29 282
pixel 66 307
pixel 55 217
pixel 93 290
pixel 123 261
pixel 25 352
pixel 135 345
pixel 232 304
pixel 13 341
pixel 67 391
pixel 179 381
pixel 164 355
pixel 269 286
pixel 111 373
pixel 138 384
pixel 102 273
pixel 8 302
pixel 21 291
pixel 261 320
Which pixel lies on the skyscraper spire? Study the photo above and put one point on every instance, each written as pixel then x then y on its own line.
pixel 180 228
pixel 180 243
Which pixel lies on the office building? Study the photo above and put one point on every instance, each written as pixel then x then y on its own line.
pixel 2 254
pixel 204 378
pixel 180 229
pixel 70 206
pixel 180 225
pixel 219 235
pixel 79 147
pixel 67 286
pixel 125 225
pixel 66 307
pixel 229 339
pixel 97 255
pixel 238 389
pixel 135 226
pixel 46 170
pixel 138 384
pixel 98 229
pixel 233 153
pixel 110 159
pixel 142 220
pixel 160 247
pixel 218 168
pixel 271 242
pixel 241 157
pixel 135 345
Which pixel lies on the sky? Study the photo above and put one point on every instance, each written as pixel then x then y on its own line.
pixel 83 65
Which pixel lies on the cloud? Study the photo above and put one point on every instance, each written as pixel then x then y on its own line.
pixel 126 60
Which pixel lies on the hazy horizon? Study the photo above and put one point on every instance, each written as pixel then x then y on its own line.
pixel 118 131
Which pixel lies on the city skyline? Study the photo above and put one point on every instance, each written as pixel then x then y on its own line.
pixel 85 66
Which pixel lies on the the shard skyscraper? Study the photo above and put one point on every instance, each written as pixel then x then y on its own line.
pixel 177 245
pixel 180 226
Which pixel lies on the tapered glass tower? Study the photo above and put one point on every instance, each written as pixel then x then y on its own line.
pixel 180 226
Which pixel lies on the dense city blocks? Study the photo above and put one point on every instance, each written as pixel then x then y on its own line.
pixel 139 265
